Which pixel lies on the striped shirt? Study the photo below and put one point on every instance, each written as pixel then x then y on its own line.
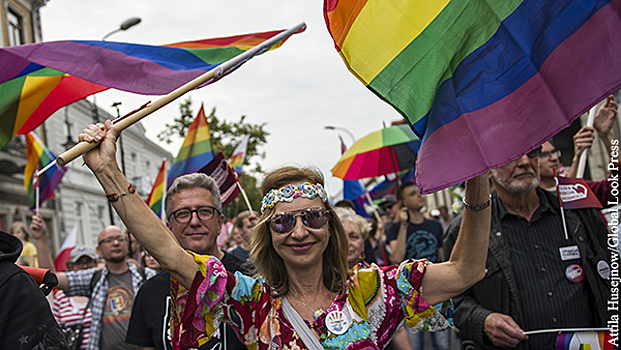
pixel 66 312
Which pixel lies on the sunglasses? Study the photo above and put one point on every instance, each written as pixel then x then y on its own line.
pixel 284 222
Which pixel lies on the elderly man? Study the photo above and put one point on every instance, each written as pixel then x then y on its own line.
pixel 535 278
pixel 111 290
pixel 244 222
pixel 194 210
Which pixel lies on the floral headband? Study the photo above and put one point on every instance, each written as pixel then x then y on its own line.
pixel 291 192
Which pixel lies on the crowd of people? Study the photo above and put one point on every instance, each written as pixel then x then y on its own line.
pixel 332 279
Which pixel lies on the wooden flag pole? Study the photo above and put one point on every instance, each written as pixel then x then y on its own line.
pixel 163 212
pixel 216 73
pixel 241 189
pixel 375 213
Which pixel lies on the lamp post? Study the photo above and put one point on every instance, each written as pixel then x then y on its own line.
pixel 330 127
pixel 124 26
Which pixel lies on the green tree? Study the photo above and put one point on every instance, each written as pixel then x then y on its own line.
pixel 225 136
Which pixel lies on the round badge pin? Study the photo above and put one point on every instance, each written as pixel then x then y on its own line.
pixel 603 269
pixel 574 273
pixel 337 322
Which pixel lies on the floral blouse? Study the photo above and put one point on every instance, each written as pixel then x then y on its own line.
pixel 377 301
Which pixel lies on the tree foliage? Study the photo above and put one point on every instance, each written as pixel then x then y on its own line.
pixel 225 136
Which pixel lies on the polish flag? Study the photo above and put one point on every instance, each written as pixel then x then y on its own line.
pixel 65 250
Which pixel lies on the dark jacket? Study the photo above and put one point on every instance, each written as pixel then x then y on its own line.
pixel 26 321
pixel 498 291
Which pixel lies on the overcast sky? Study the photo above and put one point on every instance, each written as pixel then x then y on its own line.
pixel 297 89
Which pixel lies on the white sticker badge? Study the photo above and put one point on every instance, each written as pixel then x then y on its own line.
pixel 570 253
pixel 603 269
pixel 337 322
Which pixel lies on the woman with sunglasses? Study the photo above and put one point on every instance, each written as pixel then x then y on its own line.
pixel 302 295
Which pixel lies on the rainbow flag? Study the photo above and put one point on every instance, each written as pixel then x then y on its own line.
pixel 196 150
pixel 38 79
pixel 480 82
pixel 600 340
pixel 38 156
pixel 155 201
pixel 237 159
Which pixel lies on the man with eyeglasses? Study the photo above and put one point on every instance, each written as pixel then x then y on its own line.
pixel 194 210
pixel 112 290
pixel 534 277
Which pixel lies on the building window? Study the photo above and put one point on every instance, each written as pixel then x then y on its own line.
pixel 16 28
pixel 78 209
pixel 100 211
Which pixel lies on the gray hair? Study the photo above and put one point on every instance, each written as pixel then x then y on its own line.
pixel 348 215
pixel 195 180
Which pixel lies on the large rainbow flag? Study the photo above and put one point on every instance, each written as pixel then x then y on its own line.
pixel 481 82
pixel 155 201
pixel 196 150
pixel 38 79
pixel 38 156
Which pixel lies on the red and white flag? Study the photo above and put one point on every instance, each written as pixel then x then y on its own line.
pixel 576 194
pixel 225 177
pixel 64 253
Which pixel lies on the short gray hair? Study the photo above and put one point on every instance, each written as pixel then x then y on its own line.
pixel 348 215
pixel 195 180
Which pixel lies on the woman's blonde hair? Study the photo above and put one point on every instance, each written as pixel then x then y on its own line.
pixel 22 226
pixel 348 215
pixel 270 265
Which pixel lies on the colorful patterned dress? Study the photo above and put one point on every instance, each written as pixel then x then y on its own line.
pixel 376 303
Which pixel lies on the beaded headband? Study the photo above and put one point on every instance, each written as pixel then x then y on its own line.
pixel 291 192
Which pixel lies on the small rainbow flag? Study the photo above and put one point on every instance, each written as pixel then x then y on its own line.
pixel 155 201
pixel 600 340
pixel 196 150
pixel 38 79
pixel 237 159
pixel 38 156
pixel 480 82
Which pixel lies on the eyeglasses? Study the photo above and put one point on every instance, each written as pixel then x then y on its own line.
pixel 184 215
pixel 556 152
pixel 534 153
pixel 284 222
pixel 119 239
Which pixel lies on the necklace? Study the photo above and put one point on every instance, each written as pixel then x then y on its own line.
pixel 316 313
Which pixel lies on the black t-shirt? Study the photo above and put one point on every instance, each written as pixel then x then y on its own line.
pixel 422 241
pixel 148 325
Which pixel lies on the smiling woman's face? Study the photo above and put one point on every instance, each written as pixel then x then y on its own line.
pixel 303 246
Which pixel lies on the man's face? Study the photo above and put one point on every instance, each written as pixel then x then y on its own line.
pixel 412 199
pixel 113 245
pixel 548 161
pixel 519 176
pixel 246 230
pixel 392 209
pixel 83 263
pixel 196 235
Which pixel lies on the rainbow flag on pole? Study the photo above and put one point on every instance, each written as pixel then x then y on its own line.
pixel 600 340
pixel 155 201
pixel 480 82
pixel 38 79
pixel 196 150
pixel 38 156
pixel 237 159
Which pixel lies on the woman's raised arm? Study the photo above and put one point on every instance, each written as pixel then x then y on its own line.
pixel 150 231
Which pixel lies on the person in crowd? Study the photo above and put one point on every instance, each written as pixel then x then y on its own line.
pixel 193 207
pixel 244 222
pixel 445 216
pixel 301 267
pixel 74 312
pixel 135 250
pixel 150 262
pixel 111 290
pixel 357 229
pixel 391 206
pixel 29 253
pixel 535 278
pixel 26 321
pixel 412 236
